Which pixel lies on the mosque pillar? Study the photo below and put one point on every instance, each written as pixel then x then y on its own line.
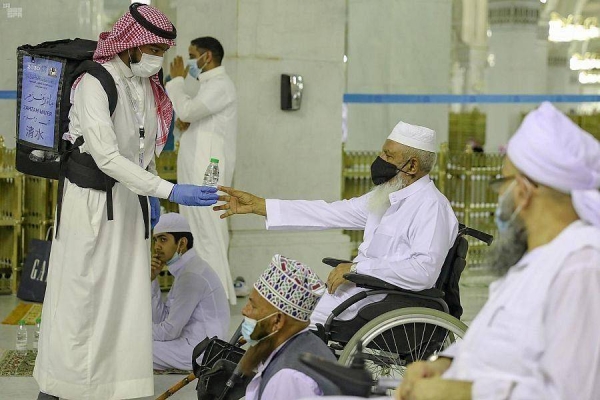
pixel 280 154
pixel 397 47
pixel 518 63
pixel 561 79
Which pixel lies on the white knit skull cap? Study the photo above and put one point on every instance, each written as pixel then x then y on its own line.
pixel 417 137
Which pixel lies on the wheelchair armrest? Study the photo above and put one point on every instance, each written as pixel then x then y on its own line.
pixel 334 262
pixel 370 282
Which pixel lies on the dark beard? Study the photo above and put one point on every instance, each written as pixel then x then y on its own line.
pixel 508 249
pixel 257 354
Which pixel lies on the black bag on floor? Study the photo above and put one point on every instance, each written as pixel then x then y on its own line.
pixel 45 75
pixel 35 271
pixel 218 363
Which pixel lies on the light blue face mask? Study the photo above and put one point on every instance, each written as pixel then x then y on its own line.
pixel 248 327
pixel 175 257
pixel 504 224
pixel 194 70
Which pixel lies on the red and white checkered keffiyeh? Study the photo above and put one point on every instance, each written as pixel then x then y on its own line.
pixel 127 33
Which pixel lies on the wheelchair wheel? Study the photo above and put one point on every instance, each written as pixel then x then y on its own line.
pixel 399 337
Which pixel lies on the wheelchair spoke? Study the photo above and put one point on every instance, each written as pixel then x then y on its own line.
pixel 415 339
pixel 408 341
pixel 424 348
pixel 422 337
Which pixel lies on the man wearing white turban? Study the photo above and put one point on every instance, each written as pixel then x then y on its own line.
pixel 537 336
pixel 409 225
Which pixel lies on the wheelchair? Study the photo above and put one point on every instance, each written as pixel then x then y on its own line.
pixel 386 336
pixel 406 326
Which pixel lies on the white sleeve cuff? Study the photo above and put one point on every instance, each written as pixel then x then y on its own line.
pixel 273 217
pixel 164 189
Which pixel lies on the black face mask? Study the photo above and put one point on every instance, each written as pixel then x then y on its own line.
pixel 382 171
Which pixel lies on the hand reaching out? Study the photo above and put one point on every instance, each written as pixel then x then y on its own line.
pixel 238 202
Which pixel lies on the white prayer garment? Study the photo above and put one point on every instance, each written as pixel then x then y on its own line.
pixel 212 115
pixel 406 246
pixel 96 338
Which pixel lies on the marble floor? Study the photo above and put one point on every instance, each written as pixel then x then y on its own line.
pixel 473 293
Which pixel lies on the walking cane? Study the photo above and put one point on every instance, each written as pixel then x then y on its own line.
pixel 171 391
pixel 191 377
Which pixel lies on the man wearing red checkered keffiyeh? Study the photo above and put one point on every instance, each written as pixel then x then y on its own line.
pixel 127 35
pixel 96 342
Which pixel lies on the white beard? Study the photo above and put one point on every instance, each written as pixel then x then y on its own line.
pixel 379 201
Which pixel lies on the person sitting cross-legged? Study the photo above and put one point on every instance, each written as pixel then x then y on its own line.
pixel 196 306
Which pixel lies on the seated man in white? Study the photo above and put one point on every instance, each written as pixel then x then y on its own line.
pixel 409 225
pixel 537 336
pixel 196 306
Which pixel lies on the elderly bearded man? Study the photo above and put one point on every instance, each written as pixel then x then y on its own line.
pixel 409 225
pixel 537 336
pixel 96 342
pixel 276 326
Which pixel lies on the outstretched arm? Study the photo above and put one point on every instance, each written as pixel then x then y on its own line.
pixel 238 202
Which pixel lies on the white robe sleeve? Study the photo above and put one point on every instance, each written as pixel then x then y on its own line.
pixel 209 100
pixel 316 214
pixel 569 367
pixel 159 308
pixel 431 236
pixel 91 105
pixel 188 291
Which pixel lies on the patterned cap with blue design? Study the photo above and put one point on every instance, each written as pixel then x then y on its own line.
pixel 291 287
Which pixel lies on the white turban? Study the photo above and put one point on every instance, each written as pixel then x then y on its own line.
pixel 417 137
pixel 550 149
pixel 172 222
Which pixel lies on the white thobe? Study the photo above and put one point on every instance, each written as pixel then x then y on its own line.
pixel 288 383
pixel 196 307
pixel 96 338
pixel 212 115
pixel 537 336
pixel 406 246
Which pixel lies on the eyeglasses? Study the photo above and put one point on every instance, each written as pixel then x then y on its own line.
pixel 496 184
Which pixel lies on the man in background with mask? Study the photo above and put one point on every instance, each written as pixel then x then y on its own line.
pixel 409 225
pixel 96 342
pixel 537 336
pixel 196 306
pixel 209 124
pixel 276 327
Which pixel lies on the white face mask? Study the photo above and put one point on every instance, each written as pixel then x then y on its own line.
pixel 147 66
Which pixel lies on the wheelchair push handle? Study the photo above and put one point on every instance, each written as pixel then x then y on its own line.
pixel 474 233
pixel 350 381
pixel 334 262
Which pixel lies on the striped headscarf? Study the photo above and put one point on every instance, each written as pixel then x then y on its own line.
pixel 127 33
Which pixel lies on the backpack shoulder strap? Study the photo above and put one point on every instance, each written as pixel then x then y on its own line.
pixel 106 80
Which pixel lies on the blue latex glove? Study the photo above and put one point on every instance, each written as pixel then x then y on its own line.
pixel 192 195
pixel 154 211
